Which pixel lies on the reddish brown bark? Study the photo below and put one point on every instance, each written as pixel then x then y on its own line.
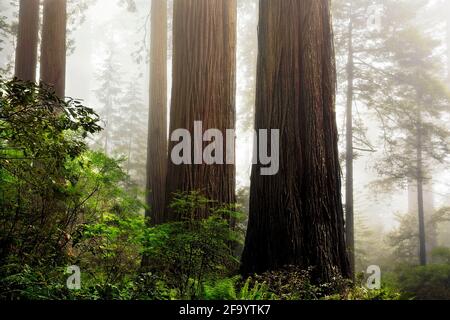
pixel 53 46
pixel 27 40
pixel 296 217
pixel 157 129
pixel 204 44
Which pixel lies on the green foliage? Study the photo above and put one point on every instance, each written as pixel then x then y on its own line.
pixel 38 134
pixel 361 293
pixel 253 290
pixel 295 283
pixel 221 289
pixel 430 282
pixel 59 203
pixel 440 255
pixel 404 240
pixel 233 289
pixel 184 256
pixel 189 252
pixel 291 283
pixel 31 283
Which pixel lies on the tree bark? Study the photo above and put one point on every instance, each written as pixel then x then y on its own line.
pixel 296 217
pixel 157 128
pixel 204 61
pixel 27 40
pixel 349 208
pixel 53 46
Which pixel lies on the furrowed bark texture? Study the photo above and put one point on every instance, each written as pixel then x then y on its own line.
pixel 157 129
pixel 203 90
pixel 296 217
pixel 53 46
pixel 27 40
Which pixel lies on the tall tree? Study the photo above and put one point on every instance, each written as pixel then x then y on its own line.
pixel 132 129
pixel 411 106
pixel 420 177
pixel 109 94
pixel 157 123
pixel 53 46
pixel 351 38
pixel 204 59
pixel 349 212
pixel 296 217
pixel 375 45
pixel 27 40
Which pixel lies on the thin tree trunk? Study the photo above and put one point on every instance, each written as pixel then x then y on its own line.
pixel 204 61
pixel 53 46
pixel 108 125
pixel 349 209
pixel 27 40
pixel 421 210
pixel 157 129
pixel 296 217
pixel 130 146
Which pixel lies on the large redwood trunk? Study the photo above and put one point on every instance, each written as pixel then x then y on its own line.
pixel 204 40
pixel 157 129
pixel 53 46
pixel 296 217
pixel 27 40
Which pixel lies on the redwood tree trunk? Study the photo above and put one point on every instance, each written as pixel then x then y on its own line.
pixel 296 217
pixel 204 35
pixel 157 129
pixel 53 46
pixel 27 40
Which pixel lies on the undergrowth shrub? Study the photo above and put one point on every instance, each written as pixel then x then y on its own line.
pixel 186 254
pixel 235 289
pixel 431 282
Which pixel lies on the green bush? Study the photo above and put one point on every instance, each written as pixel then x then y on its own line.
pixel 440 255
pixel 234 289
pixel 295 283
pixel 186 254
pixel 430 282
pixel 38 134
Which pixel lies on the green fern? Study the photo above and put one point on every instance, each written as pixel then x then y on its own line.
pixel 259 291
